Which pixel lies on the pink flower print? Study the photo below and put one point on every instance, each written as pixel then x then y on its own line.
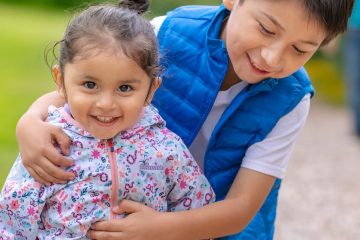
pixel 183 184
pixel 95 154
pixel 79 207
pixel 118 150
pixel 31 211
pixel 164 131
pixel 150 134
pixel 198 195
pixel 101 145
pixel 105 197
pixel 169 171
pixel 96 200
pixel 14 204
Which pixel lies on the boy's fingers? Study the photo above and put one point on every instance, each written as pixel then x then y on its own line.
pixel 56 172
pixel 62 140
pixel 108 226
pixel 48 177
pixel 56 158
pixel 37 177
pixel 128 206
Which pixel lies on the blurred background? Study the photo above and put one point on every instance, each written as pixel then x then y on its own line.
pixel 326 153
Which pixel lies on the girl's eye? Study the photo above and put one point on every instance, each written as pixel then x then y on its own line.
pixel 299 51
pixel 90 85
pixel 125 88
pixel 263 29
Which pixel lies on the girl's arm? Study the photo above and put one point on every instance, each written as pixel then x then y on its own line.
pixel 36 140
pixel 246 196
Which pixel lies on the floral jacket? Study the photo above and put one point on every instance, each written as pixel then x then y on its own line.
pixel 147 164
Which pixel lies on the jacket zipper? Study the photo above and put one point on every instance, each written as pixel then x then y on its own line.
pixel 114 177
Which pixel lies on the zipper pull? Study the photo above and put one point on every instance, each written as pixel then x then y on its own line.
pixel 110 144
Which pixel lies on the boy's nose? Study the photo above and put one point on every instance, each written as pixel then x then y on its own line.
pixel 272 56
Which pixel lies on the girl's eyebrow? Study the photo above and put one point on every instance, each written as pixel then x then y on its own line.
pixel 126 81
pixel 273 20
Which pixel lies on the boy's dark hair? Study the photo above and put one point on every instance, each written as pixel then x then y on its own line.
pixel 332 14
pixel 106 27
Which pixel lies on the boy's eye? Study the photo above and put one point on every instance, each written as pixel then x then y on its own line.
pixel 263 29
pixel 90 85
pixel 125 88
pixel 299 51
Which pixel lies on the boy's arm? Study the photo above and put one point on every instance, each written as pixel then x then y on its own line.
pixel 36 140
pixel 222 218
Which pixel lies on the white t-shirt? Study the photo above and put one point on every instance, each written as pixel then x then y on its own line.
pixel 269 156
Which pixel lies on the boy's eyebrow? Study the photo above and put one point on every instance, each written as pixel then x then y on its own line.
pixel 273 20
pixel 315 44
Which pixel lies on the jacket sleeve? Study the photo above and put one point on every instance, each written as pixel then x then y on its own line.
pixel 190 188
pixel 21 203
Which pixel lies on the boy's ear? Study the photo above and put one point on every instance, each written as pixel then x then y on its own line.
pixel 59 80
pixel 229 4
pixel 155 85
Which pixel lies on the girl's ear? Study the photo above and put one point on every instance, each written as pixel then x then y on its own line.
pixel 59 80
pixel 229 4
pixel 155 85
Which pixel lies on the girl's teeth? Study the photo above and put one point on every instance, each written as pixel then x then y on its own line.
pixel 105 119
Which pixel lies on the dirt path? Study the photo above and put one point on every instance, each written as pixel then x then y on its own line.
pixel 320 196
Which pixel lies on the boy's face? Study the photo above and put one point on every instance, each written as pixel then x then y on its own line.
pixel 106 92
pixel 269 38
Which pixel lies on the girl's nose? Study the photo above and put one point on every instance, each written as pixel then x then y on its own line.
pixel 106 101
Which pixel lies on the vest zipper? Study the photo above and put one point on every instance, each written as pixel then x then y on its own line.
pixel 114 177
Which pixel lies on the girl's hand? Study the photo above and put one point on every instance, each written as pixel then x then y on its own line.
pixel 141 223
pixel 36 141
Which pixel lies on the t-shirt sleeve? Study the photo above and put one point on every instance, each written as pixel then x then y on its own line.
pixel 271 156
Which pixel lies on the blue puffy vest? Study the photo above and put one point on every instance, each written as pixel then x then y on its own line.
pixel 195 63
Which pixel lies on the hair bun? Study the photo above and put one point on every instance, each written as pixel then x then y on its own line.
pixel 140 6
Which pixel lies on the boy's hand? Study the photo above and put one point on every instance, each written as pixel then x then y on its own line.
pixel 36 141
pixel 142 223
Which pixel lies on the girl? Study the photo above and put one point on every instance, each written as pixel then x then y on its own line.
pixel 236 93
pixel 107 74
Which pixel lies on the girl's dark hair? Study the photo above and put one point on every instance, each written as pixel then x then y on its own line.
pixel 119 28
pixel 333 15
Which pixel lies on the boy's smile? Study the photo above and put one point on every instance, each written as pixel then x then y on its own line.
pixel 267 38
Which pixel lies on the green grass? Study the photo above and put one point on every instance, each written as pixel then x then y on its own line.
pixel 24 75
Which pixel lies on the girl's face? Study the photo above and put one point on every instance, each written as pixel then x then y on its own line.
pixel 269 38
pixel 106 92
